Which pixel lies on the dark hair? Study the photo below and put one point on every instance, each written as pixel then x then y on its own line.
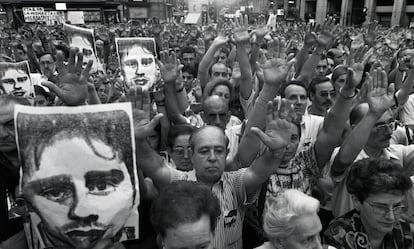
pixel 178 130
pixel 41 91
pixel 188 50
pixel 190 70
pixel 316 81
pixel 37 132
pixel 338 71
pixel 293 82
pixel 183 202
pixel 40 55
pixel 372 176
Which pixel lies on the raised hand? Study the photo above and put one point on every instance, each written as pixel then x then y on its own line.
pixel 275 71
pixel 380 95
pixel 261 30
pixel 141 109
pixel 326 38
pixel 358 58
pixel 240 32
pixel 276 48
pixel 278 133
pixel 72 88
pixel 169 66
pixel 221 38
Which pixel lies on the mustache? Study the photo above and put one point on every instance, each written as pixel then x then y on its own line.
pixel 83 225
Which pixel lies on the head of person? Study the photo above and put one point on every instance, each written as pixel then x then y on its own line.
pixel 403 58
pixel 138 67
pixel 179 146
pixel 21 54
pixel 321 93
pixel 7 131
pixel 215 111
pixel 47 63
pixel 380 135
pixel 15 80
pixel 296 94
pixel 188 75
pixel 336 55
pixel 219 71
pixel 184 215
pixel 208 153
pixel 42 97
pixel 331 65
pixel 223 56
pixel 73 170
pixel 220 87
pixel 292 221
pixel 322 66
pixel 378 188
pixel 339 76
pixel 188 57
pixel 105 92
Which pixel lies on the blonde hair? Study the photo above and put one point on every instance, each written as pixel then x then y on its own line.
pixel 285 207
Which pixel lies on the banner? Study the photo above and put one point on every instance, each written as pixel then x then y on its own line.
pixel 137 60
pixel 15 79
pixel 83 39
pixel 38 14
pixel 78 174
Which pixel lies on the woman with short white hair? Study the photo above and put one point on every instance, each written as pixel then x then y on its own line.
pixel 292 222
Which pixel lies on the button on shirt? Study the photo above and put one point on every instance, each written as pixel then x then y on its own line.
pixel 231 193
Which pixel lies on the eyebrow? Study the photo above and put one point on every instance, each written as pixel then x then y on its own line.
pixel 43 184
pixel 94 178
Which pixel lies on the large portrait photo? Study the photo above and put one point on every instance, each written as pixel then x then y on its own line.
pixel 78 173
pixel 15 79
pixel 84 40
pixel 137 60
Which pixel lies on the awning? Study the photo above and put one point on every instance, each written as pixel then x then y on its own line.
pixel 192 18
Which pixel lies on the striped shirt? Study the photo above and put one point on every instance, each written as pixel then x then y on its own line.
pixel 231 193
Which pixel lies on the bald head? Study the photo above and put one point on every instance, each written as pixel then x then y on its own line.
pixel 215 101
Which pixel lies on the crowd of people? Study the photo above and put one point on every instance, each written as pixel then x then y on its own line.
pixel 251 135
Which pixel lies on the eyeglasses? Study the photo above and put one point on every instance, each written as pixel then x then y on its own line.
pixel 384 209
pixel 391 125
pixel 325 94
pixel 181 151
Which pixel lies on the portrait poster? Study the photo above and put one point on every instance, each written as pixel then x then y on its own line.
pixel 78 174
pixel 15 79
pixel 137 58
pixel 83 39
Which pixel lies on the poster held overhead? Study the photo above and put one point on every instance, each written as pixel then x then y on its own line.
pixel 137 60
pixel 15 79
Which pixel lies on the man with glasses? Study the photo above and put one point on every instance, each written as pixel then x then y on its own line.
pixel 322 95
pixel 372 126
pixel 378 188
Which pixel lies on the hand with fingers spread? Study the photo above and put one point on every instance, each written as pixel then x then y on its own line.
pixel 275 71
pixel 221 39
pixel 380 95
pixel 240 32
pixel 261 30
pixel 72 88
pixel 357 61
pixel 276 48
pixel 141 109
pixel 169 66
pixel 325 38
pixel 279 128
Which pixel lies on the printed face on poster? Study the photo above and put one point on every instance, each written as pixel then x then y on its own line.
pixel 15 79
pixel 84 40
pixel 137 59
pixel 78 172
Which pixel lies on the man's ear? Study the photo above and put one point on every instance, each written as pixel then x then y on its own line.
pixel 311 94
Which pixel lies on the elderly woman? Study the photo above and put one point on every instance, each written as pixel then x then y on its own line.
pixel 378 188
pixel 292 222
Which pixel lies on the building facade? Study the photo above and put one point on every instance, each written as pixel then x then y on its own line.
pixel 19 12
